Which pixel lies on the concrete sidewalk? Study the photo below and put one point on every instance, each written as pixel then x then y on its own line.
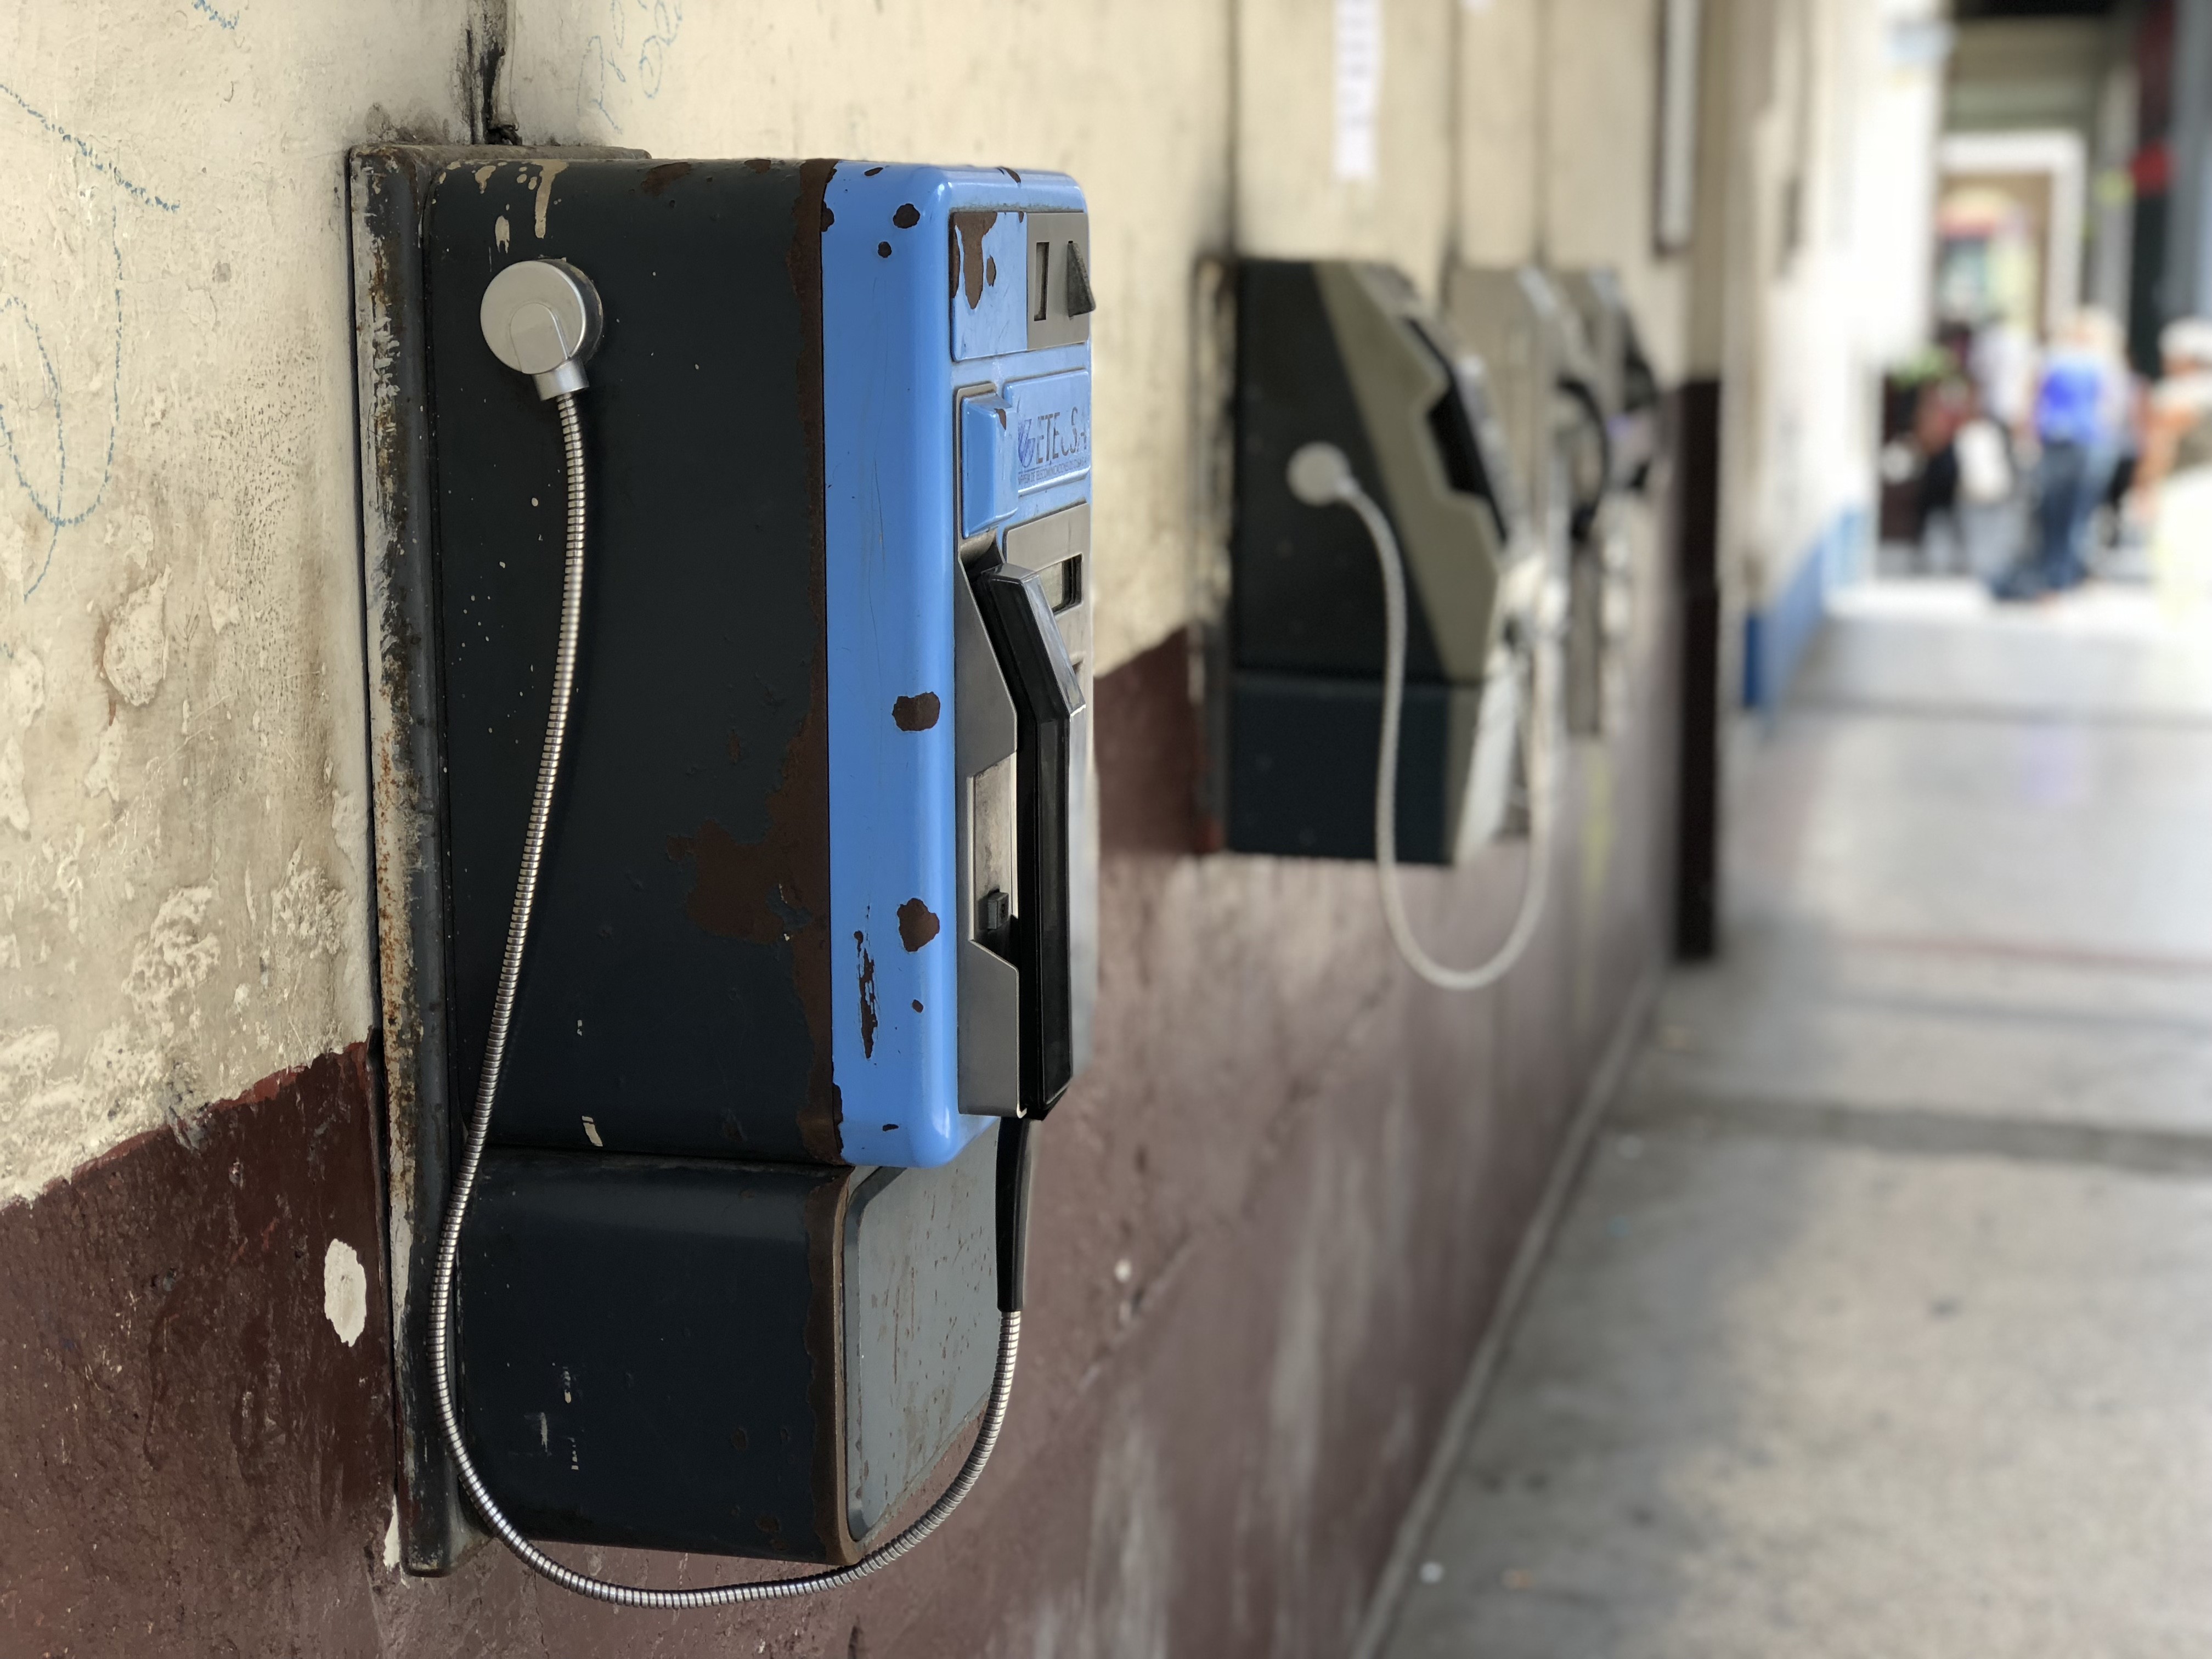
pixel 1880 1323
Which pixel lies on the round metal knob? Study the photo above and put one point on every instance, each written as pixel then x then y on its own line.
pixel 542 317
pixel 1320 475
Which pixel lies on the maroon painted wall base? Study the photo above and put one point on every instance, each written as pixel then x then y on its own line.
pixel 192 1459
pixel 1271 1221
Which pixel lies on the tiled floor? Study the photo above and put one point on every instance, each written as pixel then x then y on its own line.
pixel 1882 1322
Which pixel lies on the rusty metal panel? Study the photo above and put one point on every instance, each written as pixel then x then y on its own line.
pixel 403 697
pixel 665 1206
pixel 677 998
pixel 386 187
pixel 461 493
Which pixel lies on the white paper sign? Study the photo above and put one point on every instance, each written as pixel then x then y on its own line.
pixel 1674 213
pixel 1358 85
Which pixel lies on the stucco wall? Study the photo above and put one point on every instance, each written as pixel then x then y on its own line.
pixel 183 823
pixel 1273 1217
pixel 183 882
pixel 1833 135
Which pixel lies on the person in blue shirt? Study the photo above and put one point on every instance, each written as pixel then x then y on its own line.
pixel 2080 403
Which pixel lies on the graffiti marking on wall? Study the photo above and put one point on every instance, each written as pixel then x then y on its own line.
pixel 608 61
pixel 38 407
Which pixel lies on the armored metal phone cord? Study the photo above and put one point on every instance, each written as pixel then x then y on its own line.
pixel 449 1244
pixel 1319 474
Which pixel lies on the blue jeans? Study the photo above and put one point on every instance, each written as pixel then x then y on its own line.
pixel 2070 482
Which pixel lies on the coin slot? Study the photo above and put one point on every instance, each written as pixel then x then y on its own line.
pixel 1063 584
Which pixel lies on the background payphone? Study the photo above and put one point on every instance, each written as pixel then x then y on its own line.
pixel 1627 391
pixel 817 909
pixel 1580 406
pixel 1516 319
pixel 1348 355
pixel 1601 582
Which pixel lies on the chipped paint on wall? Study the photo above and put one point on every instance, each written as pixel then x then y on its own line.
pixel 183 841
pixel 345 1291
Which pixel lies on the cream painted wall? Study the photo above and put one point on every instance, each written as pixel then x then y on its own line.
pixel 183 875
pixel 1290 203
pixel 1501 135
pixel 1558 117
pixel 1600 99
pixel 1132 98
pixel 183 834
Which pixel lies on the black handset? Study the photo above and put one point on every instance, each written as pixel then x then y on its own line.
pixel 1047 696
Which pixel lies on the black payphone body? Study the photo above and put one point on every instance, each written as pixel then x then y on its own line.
pixel 1348 354
pixel 814 899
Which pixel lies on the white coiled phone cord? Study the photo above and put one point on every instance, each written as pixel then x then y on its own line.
pixel 449 1244
pixel 1320 474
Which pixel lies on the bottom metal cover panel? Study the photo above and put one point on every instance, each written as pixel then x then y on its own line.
pixel 1302 758
pixel 921 1324
pixel 730 1359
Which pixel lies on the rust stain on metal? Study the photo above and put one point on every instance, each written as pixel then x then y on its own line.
pixel 737 890
pixel 969 226
pixel 772 890
pixel 759 164
pixel 661 177
pixel 916 714
pixel 828 217
pixel 868 1020
pixel 918 924
pixel 389 187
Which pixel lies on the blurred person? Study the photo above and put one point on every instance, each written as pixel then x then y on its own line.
pixel 2001 362
pixel 1986 483
pixel 2079 412
pixel 1944 405
pixel 2173 481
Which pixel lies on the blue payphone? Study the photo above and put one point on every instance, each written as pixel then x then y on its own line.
pixel 727 537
